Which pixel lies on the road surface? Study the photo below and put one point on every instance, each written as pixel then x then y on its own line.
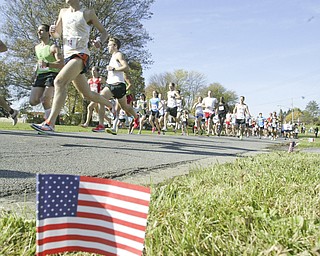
pixel 140 159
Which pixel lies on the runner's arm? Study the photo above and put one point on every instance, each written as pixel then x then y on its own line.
pixel 56 29
pixel 128 81
pixel 58 56
pixel 93 19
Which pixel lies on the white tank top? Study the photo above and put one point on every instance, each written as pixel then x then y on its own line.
pixel 241 108
pixel 172 102
pixel 115 76
pixel 75 33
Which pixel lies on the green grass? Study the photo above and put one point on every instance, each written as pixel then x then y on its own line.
pixel 26 127
pixel 305 143
pixel 69 128
pixel 263 205
pixel 17 235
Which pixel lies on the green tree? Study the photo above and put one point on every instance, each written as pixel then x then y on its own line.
pixel 21 18
pixel 313 108
pixel 296 114
pixel 136 77
pixel 307 117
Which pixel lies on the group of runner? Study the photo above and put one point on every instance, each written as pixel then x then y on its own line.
pixel 74 25
pixel 210 115
pixel 54 72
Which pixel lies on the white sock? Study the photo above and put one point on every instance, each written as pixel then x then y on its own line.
pixel 115 122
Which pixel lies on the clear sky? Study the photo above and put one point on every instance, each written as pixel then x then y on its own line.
pixel 266 50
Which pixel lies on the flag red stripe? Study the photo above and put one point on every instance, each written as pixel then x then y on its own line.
pixel 87 239
pixel 115 183
pixel 110 219
pixel 112 208
pixel 89 227
pixel 113 195
pixel 75 249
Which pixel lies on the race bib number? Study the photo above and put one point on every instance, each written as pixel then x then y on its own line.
pixel 42 68
pixel 94 88
pixel 221 108
pixel 72 42
pixel 154 106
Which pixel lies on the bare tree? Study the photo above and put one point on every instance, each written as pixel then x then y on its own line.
pixel 219 90
pixel 122 18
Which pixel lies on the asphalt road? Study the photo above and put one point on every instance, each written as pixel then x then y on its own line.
pixel 122 157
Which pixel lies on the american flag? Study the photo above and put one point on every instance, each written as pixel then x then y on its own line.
pixel 78 213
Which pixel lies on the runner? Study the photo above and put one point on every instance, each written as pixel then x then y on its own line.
pixel 49 63
pixel 261 124
pixel 184 123
pixel 74 24
pixel 142 104
pixel 198 114
pixel 209 103
pixel 241 110
pixel 95 82
pixel 116 86
pixel 172 109
pixel 221 110
pixel 180 107
pixel 274 126
pixel 154 103
pixel 162 108
pixel 3 103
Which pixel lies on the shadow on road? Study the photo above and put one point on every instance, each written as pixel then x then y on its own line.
pixel 15 174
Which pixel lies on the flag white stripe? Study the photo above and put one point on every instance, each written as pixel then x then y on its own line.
pixel 115 202
pixel 91 233
pixel 111 249
pixel 113 214
pixel 117 190
pixel 88 221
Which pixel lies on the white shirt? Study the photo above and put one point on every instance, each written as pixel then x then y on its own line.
pixel 76 33
pixel 241 108
pixel 115 76
pixel 209 104
pixel 172 102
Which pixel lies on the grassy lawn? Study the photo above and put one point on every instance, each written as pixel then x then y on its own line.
pixel 65 128
pixel 263 205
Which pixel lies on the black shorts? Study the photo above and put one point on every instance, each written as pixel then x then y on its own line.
pixel 172 111
pixel 45 79
pixel 156 114
pixel 222 116
pixel 118 90
pixel 85 60
pixel 241 121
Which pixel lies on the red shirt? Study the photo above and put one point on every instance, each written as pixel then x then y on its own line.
pixel 95 84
